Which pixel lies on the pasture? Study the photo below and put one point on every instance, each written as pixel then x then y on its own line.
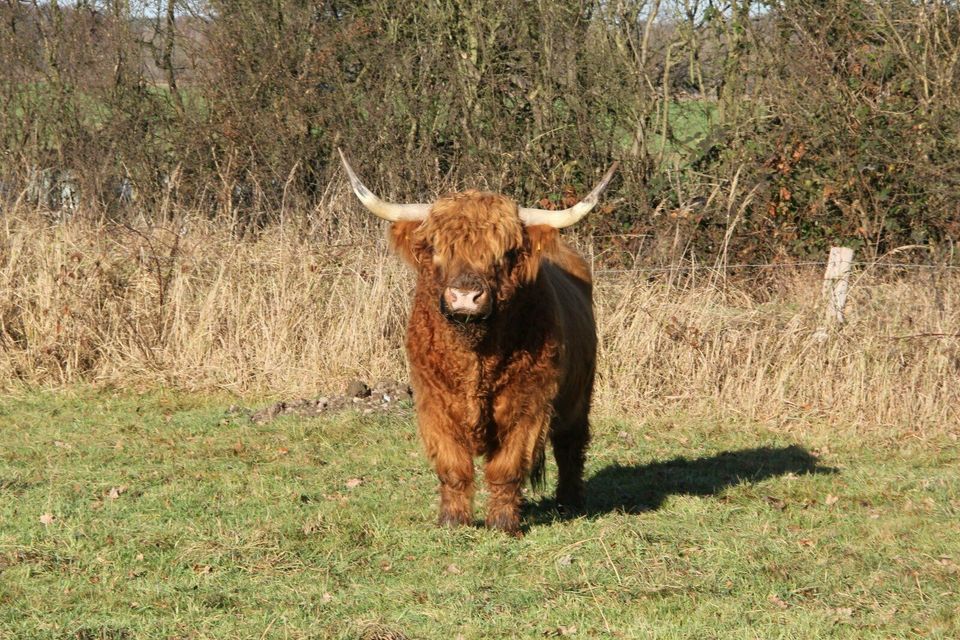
pixel 745 480
pixel 179 251
pixel 169 515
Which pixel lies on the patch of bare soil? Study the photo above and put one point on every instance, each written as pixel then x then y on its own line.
pixel 385 395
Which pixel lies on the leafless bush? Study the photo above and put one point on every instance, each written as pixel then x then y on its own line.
pixel 748 131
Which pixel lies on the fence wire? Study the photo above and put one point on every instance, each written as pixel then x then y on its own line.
pixel 770 265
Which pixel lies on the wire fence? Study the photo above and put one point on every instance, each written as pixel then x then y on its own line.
pixel 686 268
pixel 622 275
pixel 861 267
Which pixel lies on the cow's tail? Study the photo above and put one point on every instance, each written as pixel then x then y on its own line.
pixel 538 474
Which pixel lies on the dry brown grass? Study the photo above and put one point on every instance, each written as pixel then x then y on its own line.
pixel 284 313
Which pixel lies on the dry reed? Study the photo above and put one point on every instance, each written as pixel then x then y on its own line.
pixel 284 313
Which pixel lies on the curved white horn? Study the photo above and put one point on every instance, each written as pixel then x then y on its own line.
pixel 379 208
pixel 567 217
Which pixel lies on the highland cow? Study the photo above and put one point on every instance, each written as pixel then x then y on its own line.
pixel 501 343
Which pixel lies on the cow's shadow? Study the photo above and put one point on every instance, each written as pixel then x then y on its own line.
pixel 644 487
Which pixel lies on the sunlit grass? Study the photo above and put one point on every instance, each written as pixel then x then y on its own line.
pixel 166 516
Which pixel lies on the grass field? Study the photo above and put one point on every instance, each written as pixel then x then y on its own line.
pixel 168 516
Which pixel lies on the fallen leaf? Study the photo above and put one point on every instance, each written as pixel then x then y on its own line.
pixel 46 519
pixel 314 524
pixel 116 492
pixel 353 483
pixel 844 613
pixel 326 597
pixel 776 503
pixel 778 601
pixel 202 569
pixel 565 561
pixel 453 569
pixel 567 631
pixel 60 444
pixel 830 499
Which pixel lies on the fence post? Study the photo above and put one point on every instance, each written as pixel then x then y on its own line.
pixel 836 282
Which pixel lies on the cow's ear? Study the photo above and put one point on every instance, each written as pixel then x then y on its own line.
pixel 405 242
pixel 540 241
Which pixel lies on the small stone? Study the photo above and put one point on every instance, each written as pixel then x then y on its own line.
pixel 358 389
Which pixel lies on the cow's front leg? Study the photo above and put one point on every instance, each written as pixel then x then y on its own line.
pixel 503 506
pixel 456 490
pixel 454 466
pixel 506 469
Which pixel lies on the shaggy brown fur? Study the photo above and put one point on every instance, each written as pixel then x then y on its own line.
pixel 498 387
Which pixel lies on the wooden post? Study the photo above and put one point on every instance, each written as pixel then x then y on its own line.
pixel 836 282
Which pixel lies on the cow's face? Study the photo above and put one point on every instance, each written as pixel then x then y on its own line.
pixel 473 249
pixel 474 253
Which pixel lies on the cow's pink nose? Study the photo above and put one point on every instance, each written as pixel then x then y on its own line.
pixel 465 301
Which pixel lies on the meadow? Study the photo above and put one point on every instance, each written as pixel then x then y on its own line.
pixel 746 479
pixel 179 250
pixel 167 515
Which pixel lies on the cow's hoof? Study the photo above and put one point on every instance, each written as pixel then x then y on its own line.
pixel 570 503
pixel 508 523
pixel 453 520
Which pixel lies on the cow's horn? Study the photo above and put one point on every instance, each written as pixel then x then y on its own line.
pixel 567 217
pixel 379 208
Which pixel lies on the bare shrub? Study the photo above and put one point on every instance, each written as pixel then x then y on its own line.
pixel 821 123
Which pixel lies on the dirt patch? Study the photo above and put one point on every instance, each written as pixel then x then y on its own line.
pixel 385 395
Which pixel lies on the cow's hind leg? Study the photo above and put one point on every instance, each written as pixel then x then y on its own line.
pixel 570 451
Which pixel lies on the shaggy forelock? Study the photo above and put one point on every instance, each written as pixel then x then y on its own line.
pixel 473 228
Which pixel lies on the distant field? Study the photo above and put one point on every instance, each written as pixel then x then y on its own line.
pixel 165 516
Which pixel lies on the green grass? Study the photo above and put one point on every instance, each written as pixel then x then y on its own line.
pixel 690 123
pixel 174 519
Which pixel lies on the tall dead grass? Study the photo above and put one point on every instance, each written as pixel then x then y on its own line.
pixel 294 311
